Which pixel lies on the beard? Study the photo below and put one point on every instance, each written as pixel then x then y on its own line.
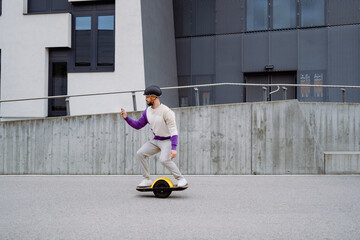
pixel 150 104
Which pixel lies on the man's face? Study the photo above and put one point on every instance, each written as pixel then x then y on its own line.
pixel 150 100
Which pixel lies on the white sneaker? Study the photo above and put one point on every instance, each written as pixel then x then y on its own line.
pixel 145 183
pixel 182 182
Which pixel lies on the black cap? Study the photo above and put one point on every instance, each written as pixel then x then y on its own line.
pixel 153 90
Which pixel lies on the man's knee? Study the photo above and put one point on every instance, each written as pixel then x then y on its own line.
pixel 140 154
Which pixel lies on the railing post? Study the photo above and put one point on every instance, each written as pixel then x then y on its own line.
pixel 265 94
pixel 343 94
pixel 134 100
pixel 284 93
pixel 197 100
pixel 67 104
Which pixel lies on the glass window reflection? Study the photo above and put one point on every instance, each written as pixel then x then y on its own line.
pixel 312 13
pixel 284 14
pixel 106 22
pixel 257 15
pixel 83 23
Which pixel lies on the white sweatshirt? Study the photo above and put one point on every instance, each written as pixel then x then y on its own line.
pixel 162 121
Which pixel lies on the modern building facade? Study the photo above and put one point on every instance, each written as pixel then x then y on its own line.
pixel 267 41
pixel 60 47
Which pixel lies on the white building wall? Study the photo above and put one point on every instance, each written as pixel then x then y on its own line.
pixel 24 40
pixel 129 68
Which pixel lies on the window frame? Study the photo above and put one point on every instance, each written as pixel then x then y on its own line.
pixel 48 8
pixel 57 55
pixel 94 14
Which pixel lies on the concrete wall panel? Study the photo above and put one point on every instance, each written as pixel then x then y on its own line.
pixel 335 125
pixel 342 162
pixel 282 141
pixel 285 137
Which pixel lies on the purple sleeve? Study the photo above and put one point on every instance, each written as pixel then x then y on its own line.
pixel 174 142
pixel 138 124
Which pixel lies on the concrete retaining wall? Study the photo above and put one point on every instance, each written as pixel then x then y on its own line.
pixel 342 162
pixel 284 137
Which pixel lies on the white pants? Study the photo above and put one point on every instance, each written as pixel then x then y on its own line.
pixel 152 147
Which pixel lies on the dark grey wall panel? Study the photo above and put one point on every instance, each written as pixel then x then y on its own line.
pixel 159 47
pixel 228 58
pixel 343 12
pixel 283 50
pixel 230 16
pixel 229 68
pixel 313 49
pixel 183 56
pixel 203 55
pixel 204 17
pixel 344 61
pixel 182 17
pixel 256 51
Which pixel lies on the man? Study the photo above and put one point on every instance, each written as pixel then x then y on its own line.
pixel 163 125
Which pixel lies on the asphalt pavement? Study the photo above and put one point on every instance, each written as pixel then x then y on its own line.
pixel 213 207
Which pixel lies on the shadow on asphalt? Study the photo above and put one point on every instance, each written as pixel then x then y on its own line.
pixel 153 196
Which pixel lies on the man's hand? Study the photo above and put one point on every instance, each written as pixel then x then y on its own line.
pixel 123 113
pixel 173 154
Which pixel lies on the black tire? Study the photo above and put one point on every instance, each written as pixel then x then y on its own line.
pixel 161 189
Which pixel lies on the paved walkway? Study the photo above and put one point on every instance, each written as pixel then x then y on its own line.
pixel 214 207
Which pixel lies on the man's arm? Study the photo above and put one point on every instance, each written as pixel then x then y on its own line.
pixel 171 124
pixel 133 123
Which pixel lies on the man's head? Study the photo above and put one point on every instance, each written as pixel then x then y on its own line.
pixel 152 93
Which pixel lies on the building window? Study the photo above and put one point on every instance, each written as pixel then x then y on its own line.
pixel 312 13
pixel 284 14
pixel 280 14
pixel 256 15
pixel 0 7
pixel 48 6
pixel 58 71
pixel 106 41
pixel 93 38
pixel 83 41
pixel 57 87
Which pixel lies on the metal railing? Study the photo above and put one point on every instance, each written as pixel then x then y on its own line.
pixel 195 87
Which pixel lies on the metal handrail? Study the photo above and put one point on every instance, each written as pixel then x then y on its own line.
pixel 195 87
pixel 183 87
